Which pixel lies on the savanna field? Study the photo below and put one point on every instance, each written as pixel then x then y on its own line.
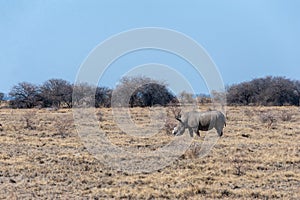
pixel 42 157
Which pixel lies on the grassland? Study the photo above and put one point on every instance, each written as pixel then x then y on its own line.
pixel 41 156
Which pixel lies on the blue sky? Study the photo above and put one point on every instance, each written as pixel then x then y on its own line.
pixel 50 39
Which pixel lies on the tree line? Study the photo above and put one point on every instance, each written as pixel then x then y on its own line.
pixel 58 93
pixel 143 91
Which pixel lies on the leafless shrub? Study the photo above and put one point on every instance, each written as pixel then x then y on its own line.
pixel 63 126
pixel 169 125
pixel 29 119
pixel 225 193
pixel 237 164
pixel 99 116
pixel 285 116
pixel 193 151
pixel 173 112
pixel 248 113
pixel 268 118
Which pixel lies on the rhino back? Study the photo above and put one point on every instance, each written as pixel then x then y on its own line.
pixel 211 117
pixel 205 119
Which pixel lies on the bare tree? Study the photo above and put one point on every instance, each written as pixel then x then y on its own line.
pixel 24 95
pixel 1 97
pixel 186 98
pixel 203 99
pixel 83 94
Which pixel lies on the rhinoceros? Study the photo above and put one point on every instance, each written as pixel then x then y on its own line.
pixel 196 121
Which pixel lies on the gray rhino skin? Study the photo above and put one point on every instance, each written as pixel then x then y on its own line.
pixel 196 121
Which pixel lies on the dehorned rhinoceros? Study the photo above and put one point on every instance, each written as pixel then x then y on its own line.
pixel 196 121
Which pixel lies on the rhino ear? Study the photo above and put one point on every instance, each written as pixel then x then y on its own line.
pixel 178 118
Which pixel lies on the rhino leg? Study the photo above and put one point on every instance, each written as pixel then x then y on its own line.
pixel 220 132
pixel 191 132
pixel 197 132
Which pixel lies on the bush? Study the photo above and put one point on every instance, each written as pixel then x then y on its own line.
pixel 29 119
pixel 141 91
pixel 286 116
pixel 270 91
pixel 64 126
pixel 56 93
pixel 268 118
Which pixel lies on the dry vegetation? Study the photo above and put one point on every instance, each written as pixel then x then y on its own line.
pixel 258 157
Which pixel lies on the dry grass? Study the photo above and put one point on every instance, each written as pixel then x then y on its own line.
pixel 249 161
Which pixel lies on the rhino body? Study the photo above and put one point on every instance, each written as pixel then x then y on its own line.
pixel 196 121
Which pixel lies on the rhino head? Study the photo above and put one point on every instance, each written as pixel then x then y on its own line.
pixel 179 129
